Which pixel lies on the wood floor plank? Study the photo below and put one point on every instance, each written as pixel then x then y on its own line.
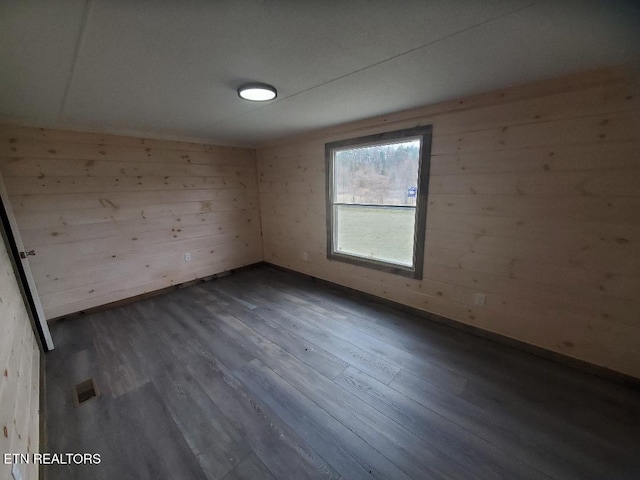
pixel 190 406
pixel 206 358
pixel 345 351
pixel 268 374
pixel 314 356
pixel 596 452
pixel 184 320
pixel 270 307
pixel 548 448
pixel 121 431
pixel 119 364
pixel 141 419
pixel 278 447
pixel 420 459
pixel 251 468
pixel 352 457
pixel 63 426
pixel 479 456
pixel 455 356
pixel 454 353
pixel 72 336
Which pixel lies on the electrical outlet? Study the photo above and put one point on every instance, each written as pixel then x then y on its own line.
pixel 305 256
pixel 187 257
pixel 480 298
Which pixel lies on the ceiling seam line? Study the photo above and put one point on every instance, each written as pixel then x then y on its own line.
pixel 415 49
pixel 88 6
pixel 393 57
pixel 419 47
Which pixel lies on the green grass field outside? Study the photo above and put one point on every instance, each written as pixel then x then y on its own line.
pixel 376 232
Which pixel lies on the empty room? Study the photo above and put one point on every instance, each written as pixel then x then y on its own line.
pixel 320 240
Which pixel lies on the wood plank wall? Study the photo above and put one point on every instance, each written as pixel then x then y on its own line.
pixel 534 200
pixel 19 374
pixel 112 217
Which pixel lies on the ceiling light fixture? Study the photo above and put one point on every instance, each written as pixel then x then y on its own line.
pixel 257 92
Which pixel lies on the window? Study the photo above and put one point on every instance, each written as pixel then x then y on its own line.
pixel 377 200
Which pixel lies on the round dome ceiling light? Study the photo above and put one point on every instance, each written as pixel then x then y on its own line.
pixel 257 92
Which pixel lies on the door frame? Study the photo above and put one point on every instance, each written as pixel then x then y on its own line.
pixel 21 267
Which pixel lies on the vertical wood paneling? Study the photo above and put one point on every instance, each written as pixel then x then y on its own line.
pixel 112 217
pixel 534 200
pixel 19 373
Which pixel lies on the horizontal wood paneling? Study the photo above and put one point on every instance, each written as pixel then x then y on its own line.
pixel 599 129
pixel 112 217
pixel 19 374
pixel 533 201
pixel 45 134
pixel 58 185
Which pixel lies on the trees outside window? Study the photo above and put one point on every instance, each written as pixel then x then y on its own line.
pixel 376 200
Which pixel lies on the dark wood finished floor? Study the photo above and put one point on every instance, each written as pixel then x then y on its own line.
pixel 267 375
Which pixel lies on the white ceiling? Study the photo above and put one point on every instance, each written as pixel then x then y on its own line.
pixel 170 69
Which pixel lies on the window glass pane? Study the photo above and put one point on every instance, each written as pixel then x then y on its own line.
pixel 377 174
pixel 376 217
pixel 379 233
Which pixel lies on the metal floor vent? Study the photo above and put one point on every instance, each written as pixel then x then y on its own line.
pixel 86 391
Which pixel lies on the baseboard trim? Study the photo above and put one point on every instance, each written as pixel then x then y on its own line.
pixel 582 365
pixel 154 293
